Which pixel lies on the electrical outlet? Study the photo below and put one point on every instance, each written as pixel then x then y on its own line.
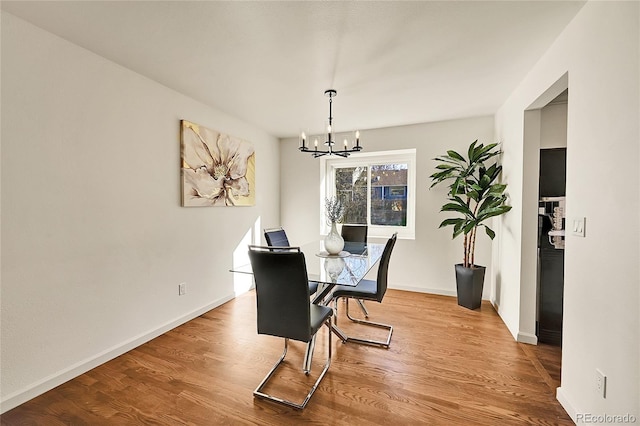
pixel 601 383
pixel 182 289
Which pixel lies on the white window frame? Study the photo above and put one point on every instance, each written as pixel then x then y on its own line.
pixel 327 187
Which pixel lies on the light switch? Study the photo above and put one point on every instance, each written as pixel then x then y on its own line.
pixel 578 226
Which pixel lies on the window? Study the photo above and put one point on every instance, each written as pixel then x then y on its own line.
pixel 377 189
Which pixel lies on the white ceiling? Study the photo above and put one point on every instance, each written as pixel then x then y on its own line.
pixel 268 63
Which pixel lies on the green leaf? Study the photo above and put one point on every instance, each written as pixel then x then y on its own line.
pixel 474 195
pixel 455 187
pixel 454 222
pixel 453 207
pixel 468 227
pixel 459 200
pixel 449 160
pixel 496 211
pixel 482 151
pixel 445 166
pixel 497 189
pixel 473 157
pixel 492 170
pixel 482 154
pixel 457 231
pixel 455 155
pixel 441 175
pixel 472 148
pixel 489 232
pixel 488 202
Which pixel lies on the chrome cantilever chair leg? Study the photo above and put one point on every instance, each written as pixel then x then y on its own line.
pixel 308 355
pixel 383 343
pixel 363 308
pixel 258 392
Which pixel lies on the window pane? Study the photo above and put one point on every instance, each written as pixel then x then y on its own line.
pixel 351 189
pixel 389 194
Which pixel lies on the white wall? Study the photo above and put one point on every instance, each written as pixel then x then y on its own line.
pixel 94 241
pixel 599 50
pixel 553 126
pixel 426 263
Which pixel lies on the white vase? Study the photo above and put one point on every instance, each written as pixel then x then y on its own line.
pixel 334 267
pixel 333 242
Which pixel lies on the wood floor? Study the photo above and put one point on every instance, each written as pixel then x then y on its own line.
pixel 446 366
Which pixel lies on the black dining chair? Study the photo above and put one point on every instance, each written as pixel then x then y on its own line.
pixel 276 237
pixel 284 309
pixel 369 290
pixel 356 234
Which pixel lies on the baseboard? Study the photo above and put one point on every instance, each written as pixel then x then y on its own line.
pixel 438 291
pixel 561 396
pixel 495 304
pixel 50 382
pixel 424 290
pixel 529 338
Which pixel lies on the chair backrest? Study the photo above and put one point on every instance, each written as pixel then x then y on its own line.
pixel 383 269
pixel 282 292
pixel 276 237
pixel 354 233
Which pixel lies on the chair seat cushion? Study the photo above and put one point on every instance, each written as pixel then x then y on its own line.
pixel 366 289
pixel 319 315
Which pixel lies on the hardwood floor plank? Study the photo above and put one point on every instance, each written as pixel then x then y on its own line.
pixel 446 365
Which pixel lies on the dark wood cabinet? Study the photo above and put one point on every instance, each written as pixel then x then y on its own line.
pixel 551 255
pixel 553 172
pixel 550 298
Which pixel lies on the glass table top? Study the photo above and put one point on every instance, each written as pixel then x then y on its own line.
pixel 347 268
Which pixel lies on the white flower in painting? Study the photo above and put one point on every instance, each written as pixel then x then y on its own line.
pixel 214 167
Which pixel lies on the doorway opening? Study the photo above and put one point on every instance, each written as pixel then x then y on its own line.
pixel 543 224
pixel 551 220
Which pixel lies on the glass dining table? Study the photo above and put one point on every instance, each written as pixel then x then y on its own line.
pixel 347 268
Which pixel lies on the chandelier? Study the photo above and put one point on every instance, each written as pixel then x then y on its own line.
pixel 330 143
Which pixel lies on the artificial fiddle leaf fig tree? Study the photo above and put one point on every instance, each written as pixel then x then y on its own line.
pixel 474 196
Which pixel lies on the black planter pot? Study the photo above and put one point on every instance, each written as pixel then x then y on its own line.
pixel 469 282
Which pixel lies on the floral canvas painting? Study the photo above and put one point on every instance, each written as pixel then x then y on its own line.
pixel 217 169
